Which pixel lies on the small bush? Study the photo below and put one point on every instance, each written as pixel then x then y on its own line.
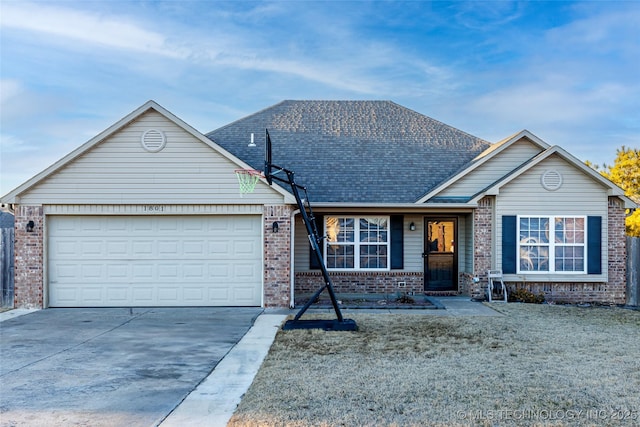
pixel 405 299
pixel 523 295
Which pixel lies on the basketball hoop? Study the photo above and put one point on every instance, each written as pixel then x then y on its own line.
pixel 247 178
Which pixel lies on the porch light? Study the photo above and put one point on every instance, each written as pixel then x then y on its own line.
pixel 30 226
pixel 412 227
pixel 275 227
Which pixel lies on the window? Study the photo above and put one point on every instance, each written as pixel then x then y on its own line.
pixel 357 243
pixel 554 244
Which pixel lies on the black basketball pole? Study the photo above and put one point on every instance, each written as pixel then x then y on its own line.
pixel 271 171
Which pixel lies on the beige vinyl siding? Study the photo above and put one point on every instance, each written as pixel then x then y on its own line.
pixel 413 243
pixel 494 169
pixel 579 195
pixel 302 247
pixel 465 238
pixel 119 170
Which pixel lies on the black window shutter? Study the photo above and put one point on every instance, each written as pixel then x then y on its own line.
pixel 509 244
pixel 594 245
pixel 313 260
pixel 397 241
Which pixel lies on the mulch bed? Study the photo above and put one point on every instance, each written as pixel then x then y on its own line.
pixel 375 302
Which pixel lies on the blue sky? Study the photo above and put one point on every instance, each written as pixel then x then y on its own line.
pixel 566 71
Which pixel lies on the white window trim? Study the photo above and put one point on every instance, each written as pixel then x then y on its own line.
pixel 357 244
pixel 552 246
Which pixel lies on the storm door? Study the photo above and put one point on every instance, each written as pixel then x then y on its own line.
pixel 441 254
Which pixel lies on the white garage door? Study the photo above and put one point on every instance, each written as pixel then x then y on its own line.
pixel 107 261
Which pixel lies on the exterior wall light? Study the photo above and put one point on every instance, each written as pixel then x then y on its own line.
pixel 30 226
pixel 412 226
pixel 275 227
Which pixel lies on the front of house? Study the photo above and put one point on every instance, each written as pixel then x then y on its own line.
pixel 148 213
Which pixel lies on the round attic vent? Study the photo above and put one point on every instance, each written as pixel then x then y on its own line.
pixel 153 140
pixel 551 180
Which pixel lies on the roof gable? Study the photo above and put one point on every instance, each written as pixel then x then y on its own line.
pixel 492 164
pixel 112 155
pixel 354 151
pixel 611 188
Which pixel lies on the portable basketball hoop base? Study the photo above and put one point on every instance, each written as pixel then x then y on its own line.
pixel 340 323
pixel 324 324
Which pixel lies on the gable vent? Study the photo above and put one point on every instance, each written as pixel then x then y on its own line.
pixel 153 140
pixel 551 180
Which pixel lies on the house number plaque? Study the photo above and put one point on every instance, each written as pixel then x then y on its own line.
pixel 153 208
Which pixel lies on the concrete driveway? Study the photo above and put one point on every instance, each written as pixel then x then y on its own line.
pixel 110 366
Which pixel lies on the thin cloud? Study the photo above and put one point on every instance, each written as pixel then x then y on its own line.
pixel 116 32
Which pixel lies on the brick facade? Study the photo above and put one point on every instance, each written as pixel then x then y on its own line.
pixel 617 248
pixel 360 282
pixel 482 241
pixel 29 263
pixel 277 256
pixel 29 258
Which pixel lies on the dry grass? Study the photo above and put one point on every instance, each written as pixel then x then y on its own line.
pixel 536 365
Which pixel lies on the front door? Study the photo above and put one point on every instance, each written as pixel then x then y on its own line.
pixel 441 254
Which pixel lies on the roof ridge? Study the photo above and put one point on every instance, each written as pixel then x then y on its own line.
pixel 244 118
pixel 441 122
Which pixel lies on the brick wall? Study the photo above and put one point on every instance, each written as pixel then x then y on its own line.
pixel 482 240
pixel 29 261
pixel 277 256
pixel 359 282
pixel 617 247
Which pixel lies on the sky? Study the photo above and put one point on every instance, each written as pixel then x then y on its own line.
pixel 569 72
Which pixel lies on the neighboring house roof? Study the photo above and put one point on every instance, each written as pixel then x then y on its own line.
pixel 353 151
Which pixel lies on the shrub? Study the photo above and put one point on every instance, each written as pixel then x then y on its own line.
pixel 523 295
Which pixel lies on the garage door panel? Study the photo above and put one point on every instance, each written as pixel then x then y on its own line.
pixel 143 294
pixel 117 248
pixel 118 295
pixel 155 261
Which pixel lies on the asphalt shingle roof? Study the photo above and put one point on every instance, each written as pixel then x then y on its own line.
pixel 353 151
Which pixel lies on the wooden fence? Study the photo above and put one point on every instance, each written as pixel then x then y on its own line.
pixel 6 267
pixel 633 271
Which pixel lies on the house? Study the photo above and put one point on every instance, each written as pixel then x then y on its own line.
pixel 148 212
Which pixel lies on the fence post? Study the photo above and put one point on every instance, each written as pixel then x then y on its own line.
pixel 633 270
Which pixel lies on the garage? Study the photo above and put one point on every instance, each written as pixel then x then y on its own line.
pixel 154 260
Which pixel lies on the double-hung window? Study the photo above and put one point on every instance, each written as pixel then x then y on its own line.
pixel 553 244
pixel 357 243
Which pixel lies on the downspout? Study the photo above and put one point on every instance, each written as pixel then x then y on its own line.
pixel 292 239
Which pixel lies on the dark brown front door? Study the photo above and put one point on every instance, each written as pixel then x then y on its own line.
pixel 441 254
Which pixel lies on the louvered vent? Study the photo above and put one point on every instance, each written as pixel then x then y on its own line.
pixel 153 140
pixel 551 180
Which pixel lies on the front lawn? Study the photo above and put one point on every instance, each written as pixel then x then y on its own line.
pixel 535 365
